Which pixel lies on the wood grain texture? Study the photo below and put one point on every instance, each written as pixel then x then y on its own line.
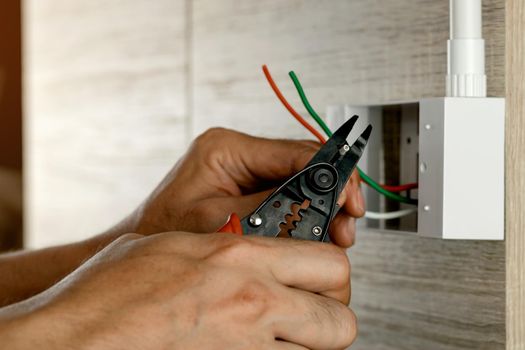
pixel 105 110
pixel 416 293
pixel 344 51
pixel 515 172
pixel 409 292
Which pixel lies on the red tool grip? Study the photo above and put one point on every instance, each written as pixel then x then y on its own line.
pixel 232 226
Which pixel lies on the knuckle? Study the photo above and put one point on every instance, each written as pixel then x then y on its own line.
pixel 332 321
pixel 210 145
pixel 126 240
pixel 204 209
pixel 342 268
pixel 255 297
pixel 210 137
pixel 344 324
pixel 233 250
pixel 348 328
pixel 129 237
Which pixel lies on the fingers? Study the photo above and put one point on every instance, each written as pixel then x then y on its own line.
pixel 343 227
pixel 314 321
pixel 275 159
pixel 216 210
pixel 252 159
pixel 293 270
pixel 351 199
pixel 242 205
pixel 342 230
pixel 312 266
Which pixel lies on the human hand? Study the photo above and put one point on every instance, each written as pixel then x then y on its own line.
pixel 225 171
pixel 194 291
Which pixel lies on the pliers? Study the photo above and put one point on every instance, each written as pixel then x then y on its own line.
pixel 306 203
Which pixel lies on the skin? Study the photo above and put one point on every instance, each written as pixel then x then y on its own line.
pixel 235 173
pixel 177 289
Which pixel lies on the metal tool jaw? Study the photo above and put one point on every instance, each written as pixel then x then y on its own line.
pixel 305 204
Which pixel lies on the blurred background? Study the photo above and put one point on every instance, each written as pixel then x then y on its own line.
pixel 11 232
pixel 114 90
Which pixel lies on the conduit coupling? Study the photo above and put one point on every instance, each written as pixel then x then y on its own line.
pixel 466 51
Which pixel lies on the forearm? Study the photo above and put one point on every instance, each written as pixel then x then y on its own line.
pixel 27 273
pixel 38 322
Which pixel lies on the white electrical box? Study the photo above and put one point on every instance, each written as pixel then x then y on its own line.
pixel 453 147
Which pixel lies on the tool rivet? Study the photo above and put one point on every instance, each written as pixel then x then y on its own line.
pixel 317 230
pixel 426 208
pixel 255 220
pixel 428 126
pixel 344 149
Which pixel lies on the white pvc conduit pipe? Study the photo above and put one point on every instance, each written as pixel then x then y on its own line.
pixel 466 51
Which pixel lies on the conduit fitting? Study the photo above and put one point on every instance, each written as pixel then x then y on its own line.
pixel 466 51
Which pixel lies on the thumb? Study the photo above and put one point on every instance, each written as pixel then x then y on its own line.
pixel 218 209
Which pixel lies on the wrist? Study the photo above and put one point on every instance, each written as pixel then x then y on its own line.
pixel 93 245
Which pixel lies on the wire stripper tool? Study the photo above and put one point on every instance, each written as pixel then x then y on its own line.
pixel 306 203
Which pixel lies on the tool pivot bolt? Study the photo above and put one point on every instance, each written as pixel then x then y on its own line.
pixel 317 230
pixel 323 179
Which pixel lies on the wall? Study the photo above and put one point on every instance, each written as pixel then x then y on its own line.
pixel 106 110
pixel 408 293
pixel 515 168
pixel 114 102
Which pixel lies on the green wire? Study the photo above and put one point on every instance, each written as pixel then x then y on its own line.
pixel 369 181
pixel 308 106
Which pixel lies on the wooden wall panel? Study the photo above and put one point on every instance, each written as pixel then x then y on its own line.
pixel 408 292
pixel 515 174
pixel 105 109
pixel 344 51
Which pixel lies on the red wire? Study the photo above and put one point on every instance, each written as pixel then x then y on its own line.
pixel 316 133
pixel 400 188
pixel 290 109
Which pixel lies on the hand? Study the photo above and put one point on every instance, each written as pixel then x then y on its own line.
pixel 193 291
pixel 225 171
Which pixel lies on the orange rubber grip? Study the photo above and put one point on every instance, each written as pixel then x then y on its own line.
pixel 232 226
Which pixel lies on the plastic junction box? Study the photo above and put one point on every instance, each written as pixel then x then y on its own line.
pixel 453 147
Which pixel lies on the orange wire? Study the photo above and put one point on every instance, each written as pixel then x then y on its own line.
pixel 290 109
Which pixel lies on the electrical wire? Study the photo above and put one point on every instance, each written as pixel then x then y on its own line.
pixel 308 106
pixel 401 188
pixel 300 119
pixel 367 179
pixel 390 215
pixel 289 107
pixel 328 132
